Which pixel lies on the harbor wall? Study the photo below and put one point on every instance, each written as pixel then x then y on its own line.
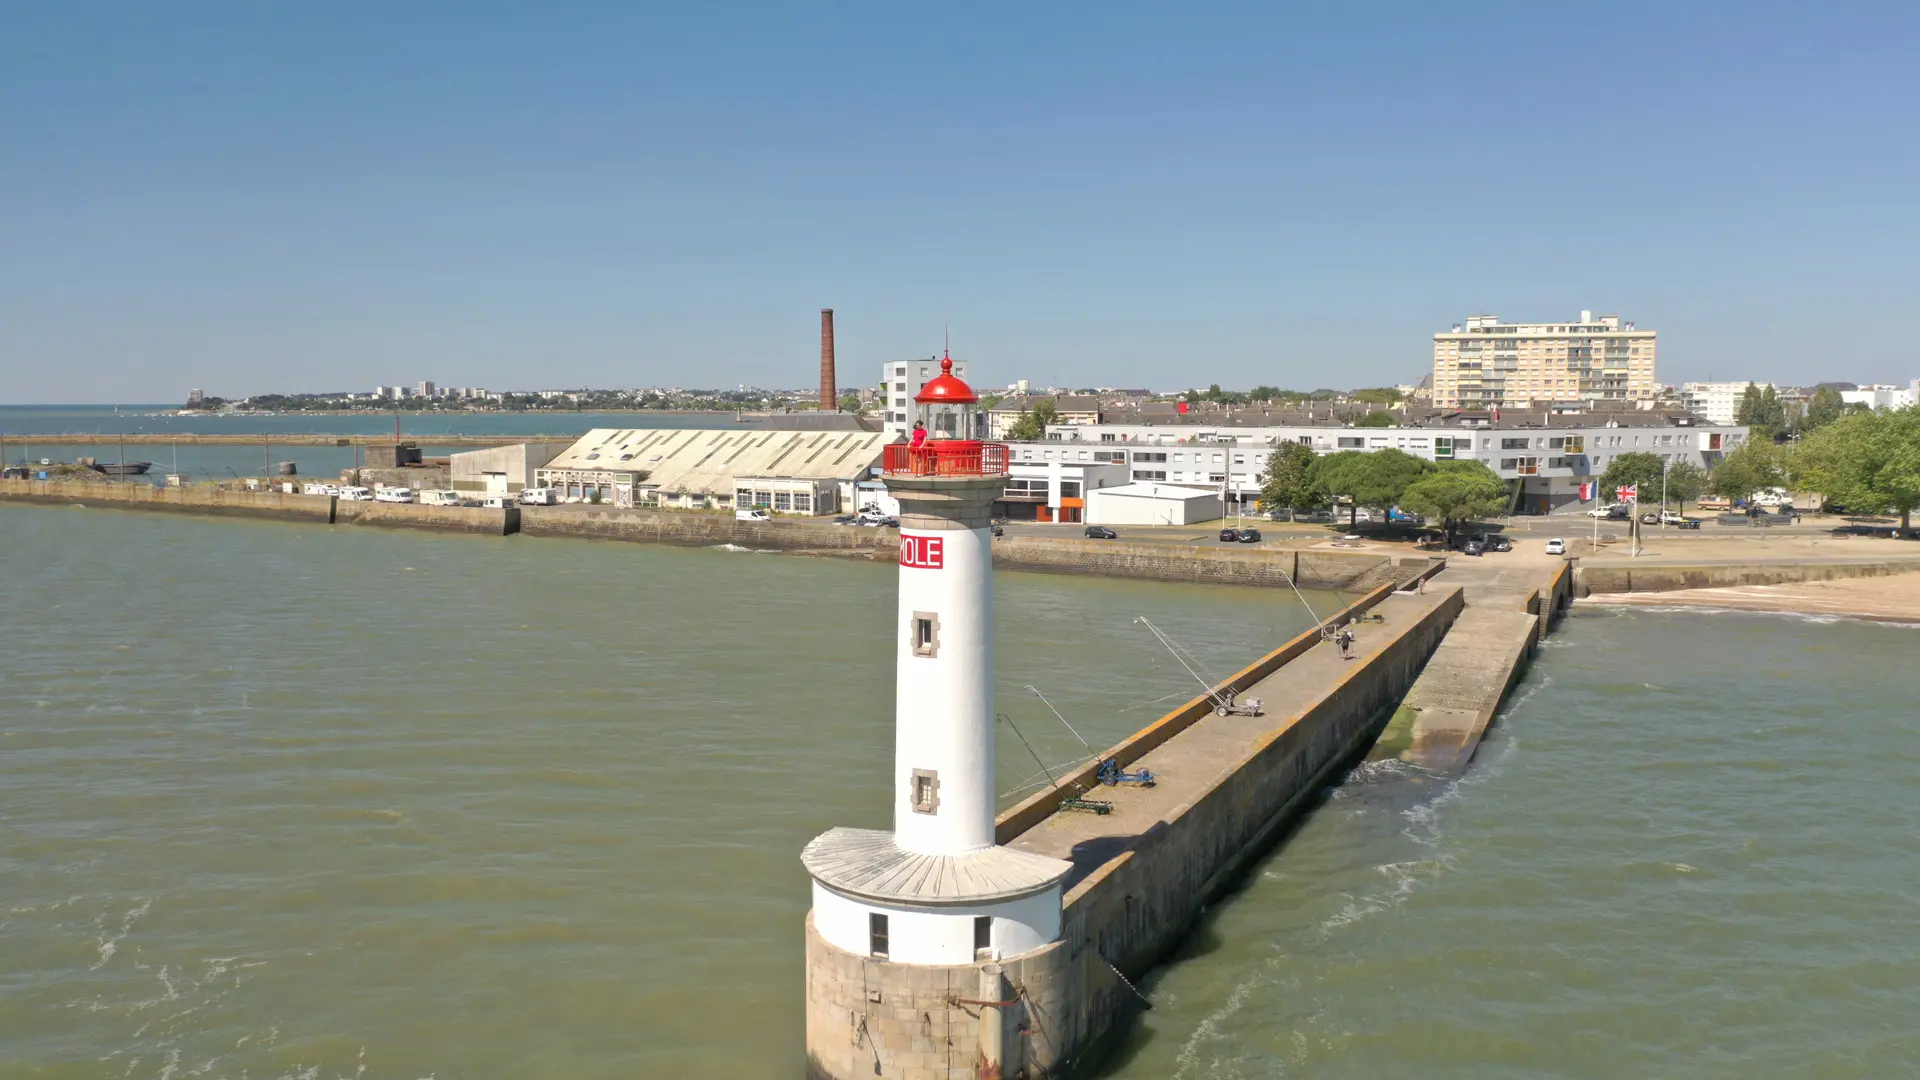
pixel 1265 567
pixel 473 519
pixel 704 530
pixel 1655 578
pixel 204 499
pixel 1257 567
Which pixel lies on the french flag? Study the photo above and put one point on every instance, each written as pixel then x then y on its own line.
pixel 1588 490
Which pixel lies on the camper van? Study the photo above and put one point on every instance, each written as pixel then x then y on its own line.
pixel 539 496
pixel 394 495
pixel 356 494
pixel 441 498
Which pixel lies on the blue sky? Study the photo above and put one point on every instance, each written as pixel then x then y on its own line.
pixel 249 197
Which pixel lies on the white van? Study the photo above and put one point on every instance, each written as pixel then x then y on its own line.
pixel 394 494
pixel 321 489
pixel 431 497
pixel 755 514
pixel 356 494
pixel 539 496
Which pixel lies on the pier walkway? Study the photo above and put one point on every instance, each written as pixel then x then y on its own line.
pixel 1191 763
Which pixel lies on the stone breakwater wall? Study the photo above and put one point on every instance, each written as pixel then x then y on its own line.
pixel 190 500
pixel 1266 567
pixel 270 505
pixel 1628 579
pixel 705 530
pixel 1260 567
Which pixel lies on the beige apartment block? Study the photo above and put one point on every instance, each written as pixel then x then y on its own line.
pixel 1484 363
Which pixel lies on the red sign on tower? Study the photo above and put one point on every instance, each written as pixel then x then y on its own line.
pixel 922 552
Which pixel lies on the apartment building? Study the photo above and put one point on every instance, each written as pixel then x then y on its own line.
pixel 1484 363
pixel 1716 402
pixel 902 380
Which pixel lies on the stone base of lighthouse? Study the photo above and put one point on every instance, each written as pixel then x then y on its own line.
pixel 871 1018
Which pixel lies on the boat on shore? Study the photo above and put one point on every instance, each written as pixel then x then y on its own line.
pixel 117 468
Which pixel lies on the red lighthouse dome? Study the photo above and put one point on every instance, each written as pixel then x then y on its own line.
pixel 946 389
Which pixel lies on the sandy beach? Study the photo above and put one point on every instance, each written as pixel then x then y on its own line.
pixel 1879 599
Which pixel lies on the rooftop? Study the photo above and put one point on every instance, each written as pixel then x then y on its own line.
pixel 868 863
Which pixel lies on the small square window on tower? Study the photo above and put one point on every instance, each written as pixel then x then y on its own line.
pixel 926 791
pixel 924 633
pixel 877 935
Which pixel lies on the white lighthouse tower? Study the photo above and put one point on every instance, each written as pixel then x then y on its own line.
pixel 935 891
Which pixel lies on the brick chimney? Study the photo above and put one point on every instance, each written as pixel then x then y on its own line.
pixel 829 389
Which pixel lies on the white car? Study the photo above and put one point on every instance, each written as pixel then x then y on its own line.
pixel 1601 512
pixel 755 514
pixel 1556 546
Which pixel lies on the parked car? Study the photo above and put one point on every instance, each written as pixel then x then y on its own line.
pixel 1229 535
pixel 1243 535
pixel 1499 543
pixel 393 495
pixel 497 502
pixel 321 489
pixel 1473 547
pixel 1600 512
pixel 1556 546
pixel 845 519
pixel 1715 502
pixel 1101 532
pixel 431 497
pixel 758 513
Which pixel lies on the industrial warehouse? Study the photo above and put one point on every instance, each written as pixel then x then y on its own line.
pixel 798 472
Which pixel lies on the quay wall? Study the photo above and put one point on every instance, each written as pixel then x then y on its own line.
pixel 202 499
pixel 473 519
pixel 1258 567
pixel 1623 579
pixel 1271 568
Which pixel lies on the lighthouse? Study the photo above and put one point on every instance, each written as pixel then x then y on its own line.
pixel 933 903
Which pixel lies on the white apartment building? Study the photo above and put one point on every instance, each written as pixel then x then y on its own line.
pixel 1716 402
pixel 903 380
pixel 1549 455
pixel 1883 396
pixel 1485 363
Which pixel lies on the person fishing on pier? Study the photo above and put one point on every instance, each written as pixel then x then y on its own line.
pixel 1343 637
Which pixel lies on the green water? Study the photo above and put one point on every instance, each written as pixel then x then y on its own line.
pixel 285 801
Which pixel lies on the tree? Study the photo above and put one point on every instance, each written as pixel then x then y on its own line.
pixel 1867 462
pixel 1376 479
pixel 1381 418
pixel 1031 424
pixel 1636 468
pixel 848 403
pixel 1285 481
pixel 1824 407
pixel 1754 466
pixel 1376 395
pixel 1685 483
pixel 1743 413
pixel 1456 492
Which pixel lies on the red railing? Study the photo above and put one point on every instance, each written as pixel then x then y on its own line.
pixel 946 457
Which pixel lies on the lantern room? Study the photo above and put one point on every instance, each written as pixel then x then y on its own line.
pixel 948 413
pixel 947 407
